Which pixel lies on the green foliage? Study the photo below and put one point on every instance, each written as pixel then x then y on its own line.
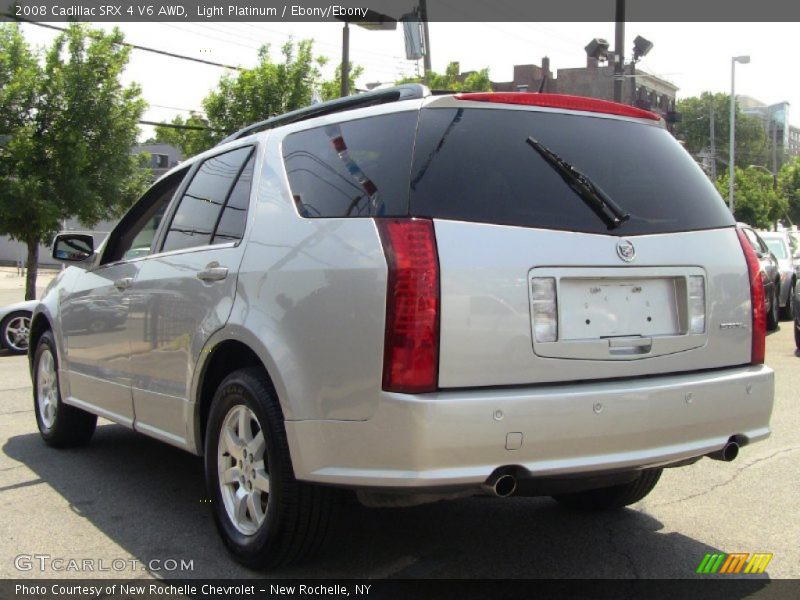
pixel 252 95
pixel 789 187
pixel 752 145
pixel 451 80
pixel 757 202
pixel 190 141
pixel 328 90
pixel 70 125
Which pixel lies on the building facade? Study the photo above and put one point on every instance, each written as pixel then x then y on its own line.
pixel 596 80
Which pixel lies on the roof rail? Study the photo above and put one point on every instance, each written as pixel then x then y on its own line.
pixel 408 91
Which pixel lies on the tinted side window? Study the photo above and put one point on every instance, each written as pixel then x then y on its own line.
pixel 234 215
pixel 476 165
pixel 135 232
pixel 354 169
pixel 199 210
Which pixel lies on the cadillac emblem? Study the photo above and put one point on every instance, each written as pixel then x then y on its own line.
pixel 626 251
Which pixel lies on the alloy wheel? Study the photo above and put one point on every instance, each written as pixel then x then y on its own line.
pixel 17 332
pixel 241 465
pixel 47 388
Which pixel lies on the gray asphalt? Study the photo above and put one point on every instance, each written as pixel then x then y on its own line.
pixel 132 499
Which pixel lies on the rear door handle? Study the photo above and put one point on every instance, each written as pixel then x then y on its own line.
pixel 213 272
pixel 123 284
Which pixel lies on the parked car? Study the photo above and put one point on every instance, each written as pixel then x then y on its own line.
pixel 780 247
pixel 15 325
pixel 418 297
pixel 769 274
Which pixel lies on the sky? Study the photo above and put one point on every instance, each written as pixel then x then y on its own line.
pixel 694 56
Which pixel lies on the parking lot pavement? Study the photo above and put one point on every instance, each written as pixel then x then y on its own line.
pixel 130 499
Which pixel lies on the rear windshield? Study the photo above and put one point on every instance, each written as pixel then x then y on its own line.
pixel 777 247
pixel 476 165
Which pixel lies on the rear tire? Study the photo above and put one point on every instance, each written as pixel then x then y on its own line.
pixel 265 516
pixel 614 497
pixel 772 314
pixel 61 425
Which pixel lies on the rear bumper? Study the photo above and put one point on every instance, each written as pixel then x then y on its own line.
pixel 458 438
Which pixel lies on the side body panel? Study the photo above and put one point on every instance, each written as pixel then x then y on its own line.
pixel 93 322
pixel 312 292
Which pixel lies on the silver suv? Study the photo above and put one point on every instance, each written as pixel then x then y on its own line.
pixel 415 297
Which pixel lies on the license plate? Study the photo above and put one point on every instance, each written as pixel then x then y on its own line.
pixel 599 308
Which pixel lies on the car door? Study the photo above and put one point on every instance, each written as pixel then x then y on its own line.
pixel 185 292
pixel 95 311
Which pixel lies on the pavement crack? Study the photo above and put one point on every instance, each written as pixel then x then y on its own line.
pixel 732 478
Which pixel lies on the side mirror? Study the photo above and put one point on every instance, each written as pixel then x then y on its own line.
pixel 73 247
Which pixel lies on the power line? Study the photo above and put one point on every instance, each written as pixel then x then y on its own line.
pixel 138 47
pixel 176 126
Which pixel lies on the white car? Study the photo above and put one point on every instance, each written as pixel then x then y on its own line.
pixel 15 325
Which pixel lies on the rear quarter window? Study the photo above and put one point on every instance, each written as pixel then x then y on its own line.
pixel 352 169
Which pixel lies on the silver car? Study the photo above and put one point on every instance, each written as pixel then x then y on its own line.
pixel 15 324
pixel 416 297
pixel 779 246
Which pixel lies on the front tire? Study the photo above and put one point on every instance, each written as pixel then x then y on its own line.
pixel 59 424
pixel 613 497
pixel 265 516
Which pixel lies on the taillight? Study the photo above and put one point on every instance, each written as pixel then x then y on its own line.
pixel 411 350
pixel 756 300
pixel 545 309
pixel 564 101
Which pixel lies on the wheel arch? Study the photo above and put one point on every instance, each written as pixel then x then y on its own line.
pixel 219 359
pixel 40 323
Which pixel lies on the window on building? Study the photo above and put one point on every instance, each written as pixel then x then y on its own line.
pixel 160 161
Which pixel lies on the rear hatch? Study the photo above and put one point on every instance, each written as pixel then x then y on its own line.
pixel 537 285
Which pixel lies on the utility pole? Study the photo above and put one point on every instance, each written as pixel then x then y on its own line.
pixel 713 141
pixel 774 126
pixel 423 16
pixel 345 90
pixel 619 52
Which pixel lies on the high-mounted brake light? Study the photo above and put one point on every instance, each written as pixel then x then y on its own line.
pixel 411 348
pixel 560 101
pixel 756 300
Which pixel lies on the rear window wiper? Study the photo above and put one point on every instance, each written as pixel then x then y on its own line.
pixel 594 197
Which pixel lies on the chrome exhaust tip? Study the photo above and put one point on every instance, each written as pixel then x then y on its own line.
pixel 502 485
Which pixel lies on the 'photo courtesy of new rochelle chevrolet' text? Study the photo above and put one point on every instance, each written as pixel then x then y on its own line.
pixel 399 299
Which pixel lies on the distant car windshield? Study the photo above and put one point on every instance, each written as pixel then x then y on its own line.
pixel 777 247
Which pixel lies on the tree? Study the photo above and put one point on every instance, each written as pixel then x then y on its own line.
pixel 758 203
pixel 68 153
pixel 452 80
pixel 789 187
pixel 328 90
pixel 752 145
pixel 191 135
pixel 252 95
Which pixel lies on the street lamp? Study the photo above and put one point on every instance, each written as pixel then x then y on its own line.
pixel 731 169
